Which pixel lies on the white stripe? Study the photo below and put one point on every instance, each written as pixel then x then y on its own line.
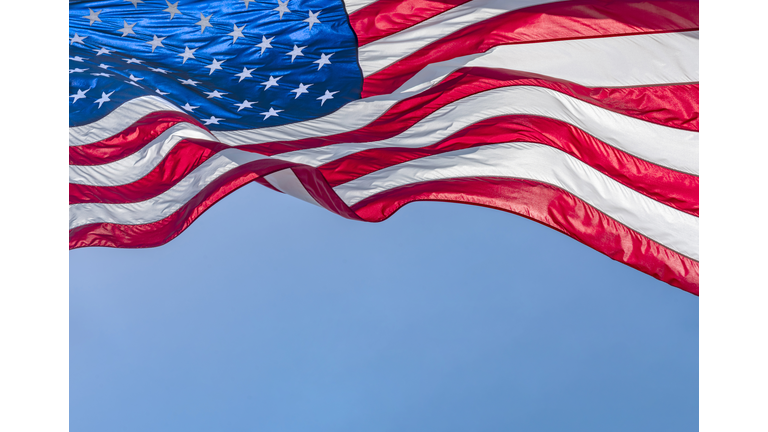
pixel 119 119
pixel 351 116
pixel 163 205
pixel 286 182
pixel 355 5
pixel 139 164
pixel 669 147
pixel 381 53
pixel 672 228
pixel 572 60
pixel 621 61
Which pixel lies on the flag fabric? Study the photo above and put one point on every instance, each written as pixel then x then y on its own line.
pixel 581 115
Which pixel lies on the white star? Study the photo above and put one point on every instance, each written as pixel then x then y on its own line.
pixel 133 78
pixel 302 89
pixel 245 104
pixel 265 43
pixel 127 28
pixel 296 52
pixel 205 21
pixel 77 39
pixel 158 70
pixel 104 98
pixel 324 60
pixel 102 74
pixel 133 84
pixel 135 2
pixel 77 70
pixel 173 9
pixel 187 54
pixel 212 120
pixel 312 19
pixel 133 60
pixel 161 93
pixel 189 107
pixel 215 94
pixel 103 51
pixel 80 95
pixel 282 8
pixel 216 65
pixel 93 16
pixel 105 66
pixel 236 33
pixel 326 96
pixel 246 3
pixel 189 82
pixel 271 82
pixel 78 59
pixel 156 42
pixel 246 73
pixel 271 112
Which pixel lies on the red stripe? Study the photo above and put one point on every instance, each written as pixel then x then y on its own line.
pixel 669 105
pixel 386 17
pixel 130 140
pixel 317 186
pixel 178 163
pixel 161 232
pixel 549 22
pixel 552 207
pixel 673 188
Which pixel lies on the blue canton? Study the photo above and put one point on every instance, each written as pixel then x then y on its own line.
pixel 234 64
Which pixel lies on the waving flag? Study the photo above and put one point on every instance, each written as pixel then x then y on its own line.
pixel 581 115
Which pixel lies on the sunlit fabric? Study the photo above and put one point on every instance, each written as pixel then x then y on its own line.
pixel 581 115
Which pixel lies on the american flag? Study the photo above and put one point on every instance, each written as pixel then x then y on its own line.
pixel 580 115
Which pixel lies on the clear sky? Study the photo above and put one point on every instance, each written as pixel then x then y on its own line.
pixel 270 314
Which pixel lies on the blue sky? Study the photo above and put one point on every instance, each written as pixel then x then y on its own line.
pixel 272 314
